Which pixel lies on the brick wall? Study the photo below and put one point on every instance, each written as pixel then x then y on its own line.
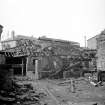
pixel 101 53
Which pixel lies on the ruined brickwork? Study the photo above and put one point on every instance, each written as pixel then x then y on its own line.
pixel 101 52
pixel 46 51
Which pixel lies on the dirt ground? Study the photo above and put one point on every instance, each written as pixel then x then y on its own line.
pixel 59 92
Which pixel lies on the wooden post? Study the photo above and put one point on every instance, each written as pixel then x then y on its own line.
pixel 72 85
pixel 27 63
pixel 36 70
pixel 22 67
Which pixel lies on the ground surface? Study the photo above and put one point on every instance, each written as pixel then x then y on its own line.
pixel 59 92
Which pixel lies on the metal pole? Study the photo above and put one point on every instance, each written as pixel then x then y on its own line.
pixel 85 41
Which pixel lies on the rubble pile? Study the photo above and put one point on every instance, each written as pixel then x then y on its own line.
pixel 21 94
pixel 76 64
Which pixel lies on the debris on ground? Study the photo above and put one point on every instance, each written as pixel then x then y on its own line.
pixel 21 94
pixel 95 82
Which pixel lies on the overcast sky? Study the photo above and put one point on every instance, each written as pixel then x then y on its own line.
pixel 61 19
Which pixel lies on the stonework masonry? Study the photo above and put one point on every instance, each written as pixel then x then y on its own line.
pixel 101 53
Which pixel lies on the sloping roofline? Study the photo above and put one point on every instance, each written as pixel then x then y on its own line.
pixel 93 37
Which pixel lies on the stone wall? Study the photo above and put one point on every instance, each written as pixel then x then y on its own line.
pixel 101 53
pixel 92 42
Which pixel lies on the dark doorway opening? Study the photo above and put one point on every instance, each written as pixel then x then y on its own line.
pixel 18 65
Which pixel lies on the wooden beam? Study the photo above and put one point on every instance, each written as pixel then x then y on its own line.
pixel 22 67
pixel 36 70
pixel 27 63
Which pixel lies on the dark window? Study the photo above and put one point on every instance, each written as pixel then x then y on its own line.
pixel 33 61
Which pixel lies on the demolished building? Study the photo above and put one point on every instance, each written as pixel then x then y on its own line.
pixel 101 51
pixel 33 57
pixel 99 45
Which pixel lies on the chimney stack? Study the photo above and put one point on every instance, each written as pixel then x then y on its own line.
pixel 13 34
pixel 1 30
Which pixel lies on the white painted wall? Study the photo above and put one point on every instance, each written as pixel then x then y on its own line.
pixel 92 42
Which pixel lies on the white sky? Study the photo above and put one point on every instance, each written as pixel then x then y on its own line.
pixel 61 19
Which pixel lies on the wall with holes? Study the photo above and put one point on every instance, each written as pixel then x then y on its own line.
pixel 101 53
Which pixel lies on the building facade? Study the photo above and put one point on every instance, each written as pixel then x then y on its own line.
pixel 101 52
pixel 37 58
pixel 92 42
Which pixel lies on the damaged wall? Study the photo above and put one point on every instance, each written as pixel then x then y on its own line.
pixel 101 53
pixel 48 52
pixel 5 74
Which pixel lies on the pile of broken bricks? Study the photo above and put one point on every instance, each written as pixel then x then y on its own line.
pixel 22 94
